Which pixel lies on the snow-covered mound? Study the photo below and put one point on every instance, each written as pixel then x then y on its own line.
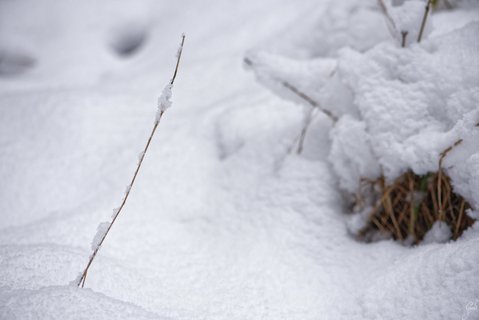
pixel 223 222
pixel 66 303
pixel 396 108
pixel 416 102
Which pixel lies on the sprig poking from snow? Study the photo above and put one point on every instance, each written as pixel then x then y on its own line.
pixel 389 20
pixel 315 105
pixel 293 89
pixel 403 20
pixel 164 102
pixel 424 19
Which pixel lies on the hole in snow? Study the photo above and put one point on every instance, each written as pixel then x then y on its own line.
pixel 14 62
pixel 129 39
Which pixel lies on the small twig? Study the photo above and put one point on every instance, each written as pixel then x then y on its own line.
pixel 412 208
pixel 424 19
pixel 388 17
pixel 446 151
pixel 178 58
pixel 299 93
pixel 81 281
pixel 307 123
pixel 309 100
pixel 459 218
pixel 388 206
pixel 403 36
pixel 439 177
pixel 313 103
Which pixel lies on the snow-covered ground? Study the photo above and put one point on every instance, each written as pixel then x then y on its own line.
pixel 224 223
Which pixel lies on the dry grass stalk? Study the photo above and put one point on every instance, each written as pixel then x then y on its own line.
pixel 311 114
pixel 403 38
pixel 424 19
pixel 82 279
pixel 304 130
pixel 313 103
pixel 309 100
pixel 389 19
pixel 408 207
pixel 393 29
pixel 440 178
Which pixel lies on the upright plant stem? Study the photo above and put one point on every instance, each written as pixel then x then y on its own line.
pixel 389 19
pixel 439 177
pixel 403 38
pixel 81 281
pixel 424 19
pixel 307 123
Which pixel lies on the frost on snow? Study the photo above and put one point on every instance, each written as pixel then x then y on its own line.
pixel 439 233
pixel 100 233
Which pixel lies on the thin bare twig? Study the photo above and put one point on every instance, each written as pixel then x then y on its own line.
pixel 388 17
pixel 424 19
pixel 81 281
pixel 307 123
pixel 412 207
pixel 459 218
pixel 299 93
pixel 440 178
pixel 309 100
pixel 309 117
pixel 403 40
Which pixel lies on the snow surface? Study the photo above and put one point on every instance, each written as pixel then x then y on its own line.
pixel 100 233
pixel 440 232
pixel 223 223
pixel 407 19
pixel 164 101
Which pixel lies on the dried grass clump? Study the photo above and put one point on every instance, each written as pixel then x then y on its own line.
pixel 408 207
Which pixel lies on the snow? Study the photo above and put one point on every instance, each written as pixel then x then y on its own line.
pixel 406 132
pixel 164 101
pixel 407 19
pixel 224 222
pixel 115 212
pixel 60 302
pixel 440 232
pixel 351 153
pixel 100 233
